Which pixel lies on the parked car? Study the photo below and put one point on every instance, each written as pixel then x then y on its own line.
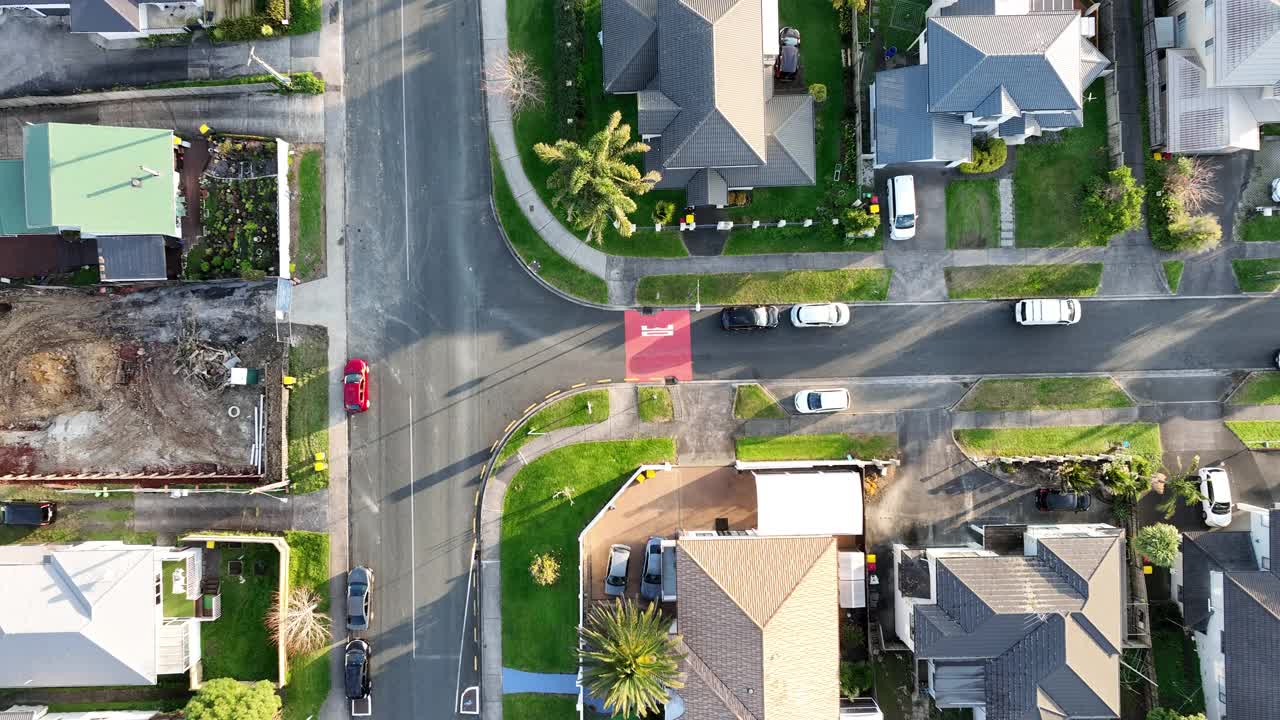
pixel 1215 490
pixel 822 401
pixel 820 315
pixel 356 670
pixel 359 587
pixel 615 580
pixel 355 386
pixel 651 576
pixel 746 317
pixel 1047 311
pixel 1053 499
pixel 902 207
pixel 1275 190
pixel 25 512
pixel 786 67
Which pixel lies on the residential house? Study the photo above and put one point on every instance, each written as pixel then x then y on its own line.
pixel 1229 594
pixel 119 19
pixel 1031 630
pixel 1009 69
pixel 1220 76
pixel 115 185
pixel 701 71
pixel 103 613
pixel 41 712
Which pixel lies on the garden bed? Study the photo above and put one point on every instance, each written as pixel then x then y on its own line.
pixel 239 196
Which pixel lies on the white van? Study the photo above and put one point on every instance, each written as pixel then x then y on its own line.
pixel 902 207
pixel 1047 311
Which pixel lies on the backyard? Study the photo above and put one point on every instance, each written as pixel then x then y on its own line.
pixel 973 214
pixel 236 645
pixel 1177 664
pixel 308 426
pixel 238 211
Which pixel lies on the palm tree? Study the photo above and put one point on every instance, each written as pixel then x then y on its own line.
pixel 594 182
pixel 629 660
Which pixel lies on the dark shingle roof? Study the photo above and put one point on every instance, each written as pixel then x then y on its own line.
pixel 631 44
pixel 1251 643
pixel 131 257
pixel 105 16
pixel 707 188
pixel 1204 551
pixel 905 129
pixel 995 104
pixel 654 110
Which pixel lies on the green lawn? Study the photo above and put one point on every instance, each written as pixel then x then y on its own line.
pixel 1260 389
pixel 308 674
pixel 1257 275
pixel 308 429
pixel 304 16
pixel 1260 228
pixel 1009 281
pixel 310 259
pixel 536 706
pixel 1256 432
pixel 654 404
pixel 80 518
pixel 795 238
pixel 561 414
pixel 645 243
pixel 752 401
pixel 539 623
pixel 1067 393
pixel 1173 273
pixel 818 447
pixel 1049 179
pixel 1179 681
pixel 973 214
pixel 765 287
pixel 1143 439
pixel 552 267
pixel 176 605
pixel 236 645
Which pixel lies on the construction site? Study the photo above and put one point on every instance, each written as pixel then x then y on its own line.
pixel 177 384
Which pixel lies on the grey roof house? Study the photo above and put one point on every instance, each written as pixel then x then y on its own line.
pixel 701 71
pixel 1229 594
pixel 1032 635
pixel 1011 69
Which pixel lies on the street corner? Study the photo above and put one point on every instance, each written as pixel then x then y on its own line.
pixel 658 345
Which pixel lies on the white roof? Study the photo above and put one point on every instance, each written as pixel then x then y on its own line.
pixel 769 26
pixel 78 615
pixel 853 579
pixel 809 503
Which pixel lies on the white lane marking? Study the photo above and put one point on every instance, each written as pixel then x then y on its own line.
pixel 413 563
pixel 462 640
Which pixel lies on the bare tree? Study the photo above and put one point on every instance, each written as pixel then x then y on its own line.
pixel 1192 181
pixel 302 628
pixel 515 77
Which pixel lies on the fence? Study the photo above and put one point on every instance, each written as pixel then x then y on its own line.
pixel 1151 67
pixel 1107 40
pixel 126 95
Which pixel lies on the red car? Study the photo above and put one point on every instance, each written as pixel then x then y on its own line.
pixel 355 386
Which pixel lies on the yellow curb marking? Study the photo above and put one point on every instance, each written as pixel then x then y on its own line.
pixel 571 387
pixel 510 425
pixel 606 380
pixel 531 406
pixel 551 394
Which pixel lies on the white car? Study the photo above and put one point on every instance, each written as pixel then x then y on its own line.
pixel 1215 489
pixel 1046 311
pixel 822 401
pixel 820 315
pixel 1275 190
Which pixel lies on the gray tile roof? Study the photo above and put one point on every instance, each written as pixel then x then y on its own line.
pixel 1203 551
pixel 905 129
pixel 707 188
pixel 790 158
pixel 1057 121
pixel 1248 41
pixel 1036 58
pixel 996 104
pixel 969 7
pixel 131 257
pixel 654 110
pixel 105 16
pixel 1092 63
pixel 631 43
pixel 1251 644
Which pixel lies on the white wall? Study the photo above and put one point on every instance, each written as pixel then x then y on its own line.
pixel 904 607
pixel 1209 646
pixel 1198 29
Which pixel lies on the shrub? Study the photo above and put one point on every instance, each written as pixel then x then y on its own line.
pixel 855 678
pixel 566 78
pixel 1112 204
pixel 1198 232
pixel 852 636
pixel 228 699
pixel 545 569
pixel 306 83
pixel 664 212
pixel 302 627
pixel 276 10
pixel 989 155
pixel 1174 191
pixel 857 222
pixel 1159 543
pixel 204 267
pixel 1163 713
pixel 241 29
pixel 216 261
pixel 819 92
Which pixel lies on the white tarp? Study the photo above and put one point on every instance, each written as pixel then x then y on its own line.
pixel 852 579
pixel 809 503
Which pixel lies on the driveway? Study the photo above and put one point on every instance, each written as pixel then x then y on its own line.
pixel 917 263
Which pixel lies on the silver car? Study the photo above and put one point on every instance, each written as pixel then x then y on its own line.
pixel 651 576
pixel 359 587
pixel 615 581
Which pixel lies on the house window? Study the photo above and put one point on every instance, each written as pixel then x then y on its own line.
pixel 1222 693
pixel 1266 563
pixel 1208 47
pixel 1208 11
pixel 1180 30
pixel 1177 593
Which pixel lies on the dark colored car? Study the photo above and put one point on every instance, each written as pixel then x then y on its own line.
pixel 359 586
pixel 355 386
pixel 1052 499
pixel 745 317
pixel 787 65
pixel 651 576
pixel 355 670
pixel 24 512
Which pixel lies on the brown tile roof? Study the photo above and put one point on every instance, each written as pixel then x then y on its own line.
pixel 761 619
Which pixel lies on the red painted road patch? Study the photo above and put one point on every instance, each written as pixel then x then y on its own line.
pixel 658 345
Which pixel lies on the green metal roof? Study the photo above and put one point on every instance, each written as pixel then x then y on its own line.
pixel 99 179
pixel 13 211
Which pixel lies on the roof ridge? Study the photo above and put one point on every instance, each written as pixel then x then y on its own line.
pixel 761 159
pixel 713 681
pixel 1233 575
pixel 943 100
pixel 813 564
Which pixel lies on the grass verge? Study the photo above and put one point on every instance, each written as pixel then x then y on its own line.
pixel 304 16
pixel 535 252
pixel 765 287
pixel 1068 393
pixel 236 645
pixel 1173 274
pixel 654 404
pixel 973 214
pixel 817 447
pixel 1255 433
pixel 1143 439
pixel 539 623
pixel 751 401
pixel 536 706
pixel 308 428
pixel 568 412
pixel 308 674
pixel 310 256
pixel 1260 389
pixel 1261 228
pixel 1008 281
pixel 1257 275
